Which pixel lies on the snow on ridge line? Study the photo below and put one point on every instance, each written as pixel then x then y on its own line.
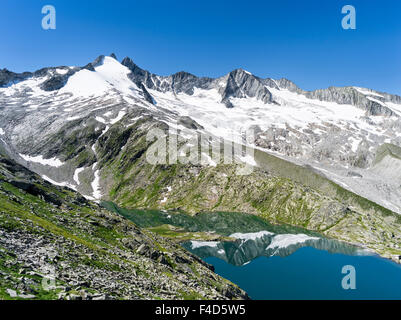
pixel 251 235
pixel 62 71
pixel 2 133
pixel 200 244
pixel 285 240
pixel 367 92
pixel 53 162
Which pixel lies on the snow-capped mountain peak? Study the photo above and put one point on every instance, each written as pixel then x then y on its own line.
pixel 108 74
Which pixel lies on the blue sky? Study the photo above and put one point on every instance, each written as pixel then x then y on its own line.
pixel 300 40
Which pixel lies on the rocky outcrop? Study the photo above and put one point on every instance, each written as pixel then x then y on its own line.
pixel 242 84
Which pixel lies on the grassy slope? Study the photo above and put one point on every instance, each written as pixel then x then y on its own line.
pixel 88 241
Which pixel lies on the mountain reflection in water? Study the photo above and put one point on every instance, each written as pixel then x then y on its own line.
pixel 249 246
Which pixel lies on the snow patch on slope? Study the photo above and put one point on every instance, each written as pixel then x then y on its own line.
pixel 367 92
pixel 96 185
pixel 120 115
pixel 60 184
pixel 53 162
pixel 76 175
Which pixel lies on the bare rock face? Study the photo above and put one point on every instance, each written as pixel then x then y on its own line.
pixel 289 85
pixel 57 81
pixel 7 77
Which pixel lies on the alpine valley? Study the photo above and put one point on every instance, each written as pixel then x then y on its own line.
pixel 75 180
